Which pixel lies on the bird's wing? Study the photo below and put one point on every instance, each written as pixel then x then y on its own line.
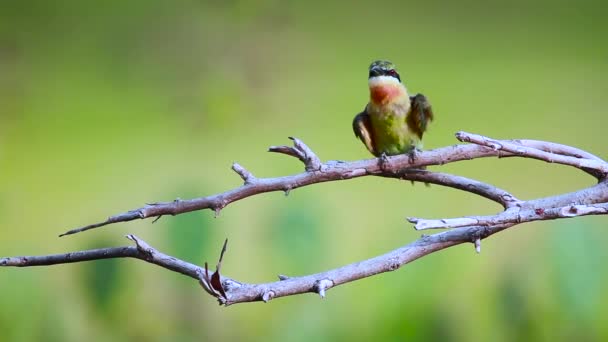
pixel 420 114
pixel 363 129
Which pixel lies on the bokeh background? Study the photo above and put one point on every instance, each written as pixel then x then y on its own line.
pixel 108 105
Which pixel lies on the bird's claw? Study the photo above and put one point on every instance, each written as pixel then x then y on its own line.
pixel 383 161
pixel 412 155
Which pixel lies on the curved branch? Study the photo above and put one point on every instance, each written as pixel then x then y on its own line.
pixel 488 191
pixel 141 251
pixel 230 291
pixel 340 170
pixel 558 149
pixel 238 292
pixel 549 152
pixel 513 216
pixel 588 201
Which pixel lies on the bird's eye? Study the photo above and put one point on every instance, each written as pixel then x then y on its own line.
pixel 394 74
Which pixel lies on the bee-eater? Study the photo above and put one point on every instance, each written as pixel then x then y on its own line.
pixel 392 122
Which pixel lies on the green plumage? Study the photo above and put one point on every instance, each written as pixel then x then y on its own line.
pixel 392 122
pixel 394 130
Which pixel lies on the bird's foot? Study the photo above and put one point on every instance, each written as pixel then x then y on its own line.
pixel 412 155
pixel 383 162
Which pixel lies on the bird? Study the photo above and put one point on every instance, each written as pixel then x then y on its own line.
pixel 393 122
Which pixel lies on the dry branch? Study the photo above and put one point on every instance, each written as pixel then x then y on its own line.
pixel 588 201
pixel 397 167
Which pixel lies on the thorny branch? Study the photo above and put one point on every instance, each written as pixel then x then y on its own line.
pixel 588 201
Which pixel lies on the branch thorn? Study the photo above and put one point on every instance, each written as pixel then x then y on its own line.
pixel 267 296
pixel 322 285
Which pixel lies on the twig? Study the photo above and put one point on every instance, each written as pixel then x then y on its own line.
pixel 247 176
pixel 514 216
pixel 517 148
pixel 141 251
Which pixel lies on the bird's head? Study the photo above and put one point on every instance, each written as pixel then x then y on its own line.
pixel 383 68
pixel 385 83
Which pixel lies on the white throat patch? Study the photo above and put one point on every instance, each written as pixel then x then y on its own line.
pixel 383 80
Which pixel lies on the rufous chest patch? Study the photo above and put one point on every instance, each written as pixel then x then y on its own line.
pixel 383 94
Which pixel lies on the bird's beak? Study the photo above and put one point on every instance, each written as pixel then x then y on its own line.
pixel 375 71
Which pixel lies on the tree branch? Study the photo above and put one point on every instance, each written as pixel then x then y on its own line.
pixel 488 191
pixel 512 216
pixel 588 201
pixel 516 147
pixel 339 170
pixel 141 251
pixel 238 292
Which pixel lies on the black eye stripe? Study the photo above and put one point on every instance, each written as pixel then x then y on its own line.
pixel 383 72
pixel 394 73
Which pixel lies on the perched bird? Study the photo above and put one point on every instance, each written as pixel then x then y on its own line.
pixel 392 122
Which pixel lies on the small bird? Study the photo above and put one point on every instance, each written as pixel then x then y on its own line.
pixel 392 122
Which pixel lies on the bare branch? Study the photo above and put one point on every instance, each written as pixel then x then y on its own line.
pixel 513 215
pixel 558 149
pixel 141 251
pixel 488 191
pixel 238 292
pixel 517 148
pixel 339 170
pixel 588 201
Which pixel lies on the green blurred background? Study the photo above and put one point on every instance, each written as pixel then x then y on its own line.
pixel 108 105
